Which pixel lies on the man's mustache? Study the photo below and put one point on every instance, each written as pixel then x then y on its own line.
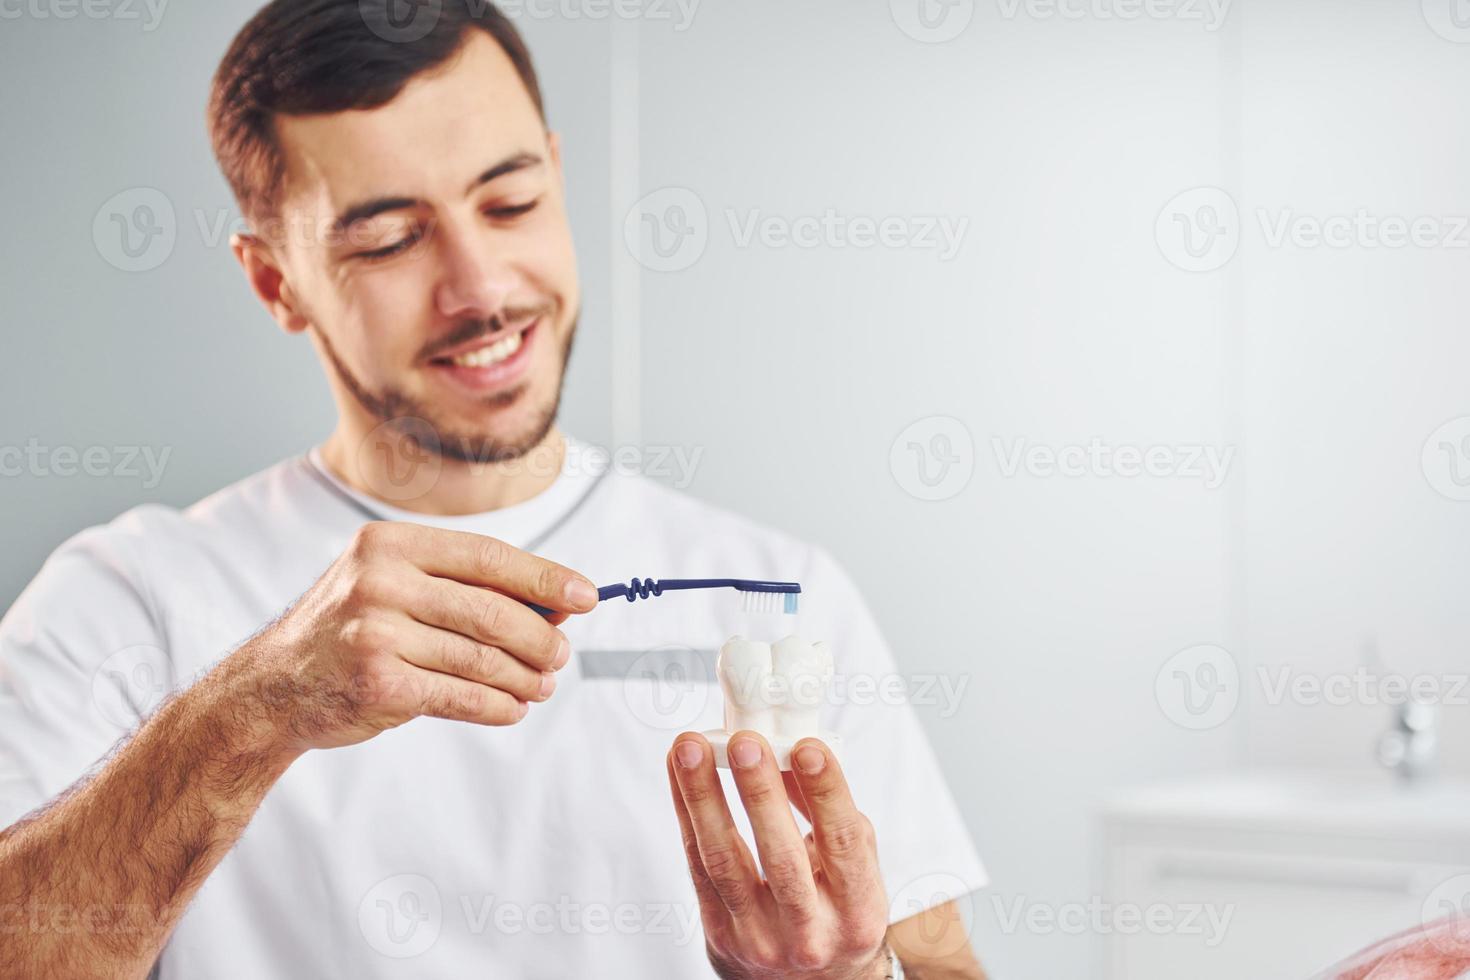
pixel 472 330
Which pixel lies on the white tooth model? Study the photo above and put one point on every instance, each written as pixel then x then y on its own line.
pixel 775 689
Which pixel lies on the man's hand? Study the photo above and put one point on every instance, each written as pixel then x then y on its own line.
pixel 412 620
pixel 820 910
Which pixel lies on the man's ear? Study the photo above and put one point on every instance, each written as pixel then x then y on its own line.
pixel 263 271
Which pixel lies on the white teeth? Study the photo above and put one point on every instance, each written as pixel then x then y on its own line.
pixel 491 354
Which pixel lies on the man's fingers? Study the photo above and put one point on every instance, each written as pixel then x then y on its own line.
pixel 450 653
pixel 442 696
pixel 844 837
pixel 782 850
pixel 491 619
pixel 793 793
pixel 476 559
pixel 727 861
pixel 710 903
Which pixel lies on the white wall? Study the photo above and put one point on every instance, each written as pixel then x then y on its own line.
pixel 1352 358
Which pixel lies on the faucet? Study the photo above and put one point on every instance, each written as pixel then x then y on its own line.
pixel 1409 747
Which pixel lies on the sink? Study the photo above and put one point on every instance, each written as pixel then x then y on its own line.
pixel 1306 868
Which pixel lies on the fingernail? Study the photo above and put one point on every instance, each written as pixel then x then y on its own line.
pixel 689 754
pixel 523 707
pixel 563 654
pixel 548 684
pixel 581 593
pixel 745 752
pixel 810 759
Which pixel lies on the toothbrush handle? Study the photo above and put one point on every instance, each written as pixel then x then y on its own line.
pixel 642 588
pixel 610 591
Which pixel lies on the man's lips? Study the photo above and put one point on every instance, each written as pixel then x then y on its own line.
pixel 491 363
pixel 482 342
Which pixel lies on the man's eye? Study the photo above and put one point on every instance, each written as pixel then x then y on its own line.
pixel 513 211
pixel 387 251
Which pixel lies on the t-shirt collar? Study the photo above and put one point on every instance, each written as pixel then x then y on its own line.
pixel 524 525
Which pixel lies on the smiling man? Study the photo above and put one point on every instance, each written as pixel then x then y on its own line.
pixel 373 759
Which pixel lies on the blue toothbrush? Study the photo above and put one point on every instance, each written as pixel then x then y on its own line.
pixel 755 596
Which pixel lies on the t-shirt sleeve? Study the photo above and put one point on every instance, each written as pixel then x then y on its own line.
pixel 81 663
pixel 925 851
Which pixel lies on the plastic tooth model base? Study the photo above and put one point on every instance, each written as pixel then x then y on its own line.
pixel 775 689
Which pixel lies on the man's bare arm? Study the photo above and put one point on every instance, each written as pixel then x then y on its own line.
pixel 92 885
pixel 409 621
pixel 934 945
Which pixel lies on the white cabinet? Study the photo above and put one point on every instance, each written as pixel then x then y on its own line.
pixel 1273 874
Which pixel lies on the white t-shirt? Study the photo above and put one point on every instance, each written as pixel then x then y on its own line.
pixel 440 849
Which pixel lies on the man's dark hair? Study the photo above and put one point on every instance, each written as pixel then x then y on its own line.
pixel 308 57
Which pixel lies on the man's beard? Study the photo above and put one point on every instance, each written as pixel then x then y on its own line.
pixel 415 420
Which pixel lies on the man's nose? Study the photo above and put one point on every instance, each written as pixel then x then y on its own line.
pixel 474 281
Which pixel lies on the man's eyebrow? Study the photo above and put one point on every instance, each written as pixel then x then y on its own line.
pixel 373 208
pixel 520 161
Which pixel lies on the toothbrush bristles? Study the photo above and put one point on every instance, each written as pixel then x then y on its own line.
pixel 769 602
